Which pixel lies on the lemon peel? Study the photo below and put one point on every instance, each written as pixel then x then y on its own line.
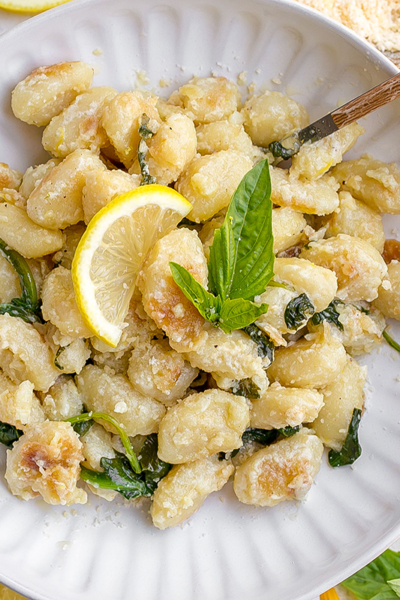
pixel 30 6
pixel 112 250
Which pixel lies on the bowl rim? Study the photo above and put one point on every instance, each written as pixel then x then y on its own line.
pixel 374 56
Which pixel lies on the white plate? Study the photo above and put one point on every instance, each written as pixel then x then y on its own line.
pixel 227 551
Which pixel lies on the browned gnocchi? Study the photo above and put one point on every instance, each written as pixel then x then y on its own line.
pixel 184 399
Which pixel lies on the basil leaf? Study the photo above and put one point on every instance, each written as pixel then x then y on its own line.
pixel 391 341
pixel 265 346
pixel 238 313
pixel 250 218
pixel 372 582
pixel 298 311
pixel 351 449
pixel 9 434
pixel 330 314
pixel 246 388
pixel 153 468
pixel 395 585
pixel 221 265
pixel 207 304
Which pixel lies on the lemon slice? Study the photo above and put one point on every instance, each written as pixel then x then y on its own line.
pixel 30 6
pixel 6 594
pixel 112 249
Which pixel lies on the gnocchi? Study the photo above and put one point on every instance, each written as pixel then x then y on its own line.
pixel 184 400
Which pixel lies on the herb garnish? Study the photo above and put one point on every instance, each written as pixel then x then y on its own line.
pixel 330 314
pixel 9 434
pixel 351 449
pixel 241 257
pixel 145 134
pixel 27 306
pixel 118 474
pixel 391 341
pixel 380 580
pixel 298 311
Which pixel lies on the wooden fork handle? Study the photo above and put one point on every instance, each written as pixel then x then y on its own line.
pixel 362 105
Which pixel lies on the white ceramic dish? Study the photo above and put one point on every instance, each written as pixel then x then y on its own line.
pixel 227 551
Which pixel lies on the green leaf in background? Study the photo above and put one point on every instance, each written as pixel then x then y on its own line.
pixel 351 449
pixel 372 582
pixel 395 585
pixel 250 218
pixel 298 311
pixel 207 304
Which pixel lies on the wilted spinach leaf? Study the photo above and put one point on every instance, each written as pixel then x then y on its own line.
pixel 298 311
pixel 351 449
pixel 330 314
pixel 246 388
pixel 261 436
pixel 153 468
pixel 9 434
pixel 265 346
pixel 265 436
pixel 118 474
pixel 289 431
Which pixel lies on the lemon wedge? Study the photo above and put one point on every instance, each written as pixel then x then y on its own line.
pixel 112 249
pixel 6 594
pixel 30 6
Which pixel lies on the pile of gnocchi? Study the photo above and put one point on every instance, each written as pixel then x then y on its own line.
pixel 212 405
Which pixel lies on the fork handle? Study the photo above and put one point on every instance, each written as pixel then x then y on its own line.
pixel 362 105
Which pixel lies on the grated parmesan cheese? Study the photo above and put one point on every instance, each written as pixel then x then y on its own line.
pixel 376 20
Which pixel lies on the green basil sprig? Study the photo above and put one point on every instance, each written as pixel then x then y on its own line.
pixel 27 306
pixel 379 580
pixel 241 257
pixel 351 449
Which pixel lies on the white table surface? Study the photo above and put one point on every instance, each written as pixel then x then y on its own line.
pixel 9 20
